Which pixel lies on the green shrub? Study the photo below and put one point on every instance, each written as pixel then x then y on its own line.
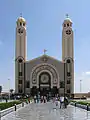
pixel 82 102
pixel 8 104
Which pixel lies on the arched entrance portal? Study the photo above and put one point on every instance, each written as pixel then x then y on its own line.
pixel 44 83
pixel 44 79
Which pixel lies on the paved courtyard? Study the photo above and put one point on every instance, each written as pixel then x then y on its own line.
pixel 45 111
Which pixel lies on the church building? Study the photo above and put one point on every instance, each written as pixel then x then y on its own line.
pixel 44 74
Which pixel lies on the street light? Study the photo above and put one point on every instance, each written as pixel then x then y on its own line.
pixel 80 86
pixel 9 87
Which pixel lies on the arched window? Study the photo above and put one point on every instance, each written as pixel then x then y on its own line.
pixel 68 67
pixel 68 81
pixel 23 24
pixel 20 60
pixel 68 61
pixel 67 24
pixel 20 24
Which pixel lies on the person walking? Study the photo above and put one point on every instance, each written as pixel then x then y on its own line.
pixel 61 101
pixel 65 102
pixel 35 99
pixel 44 99
pixel 56 102
pixel 41 99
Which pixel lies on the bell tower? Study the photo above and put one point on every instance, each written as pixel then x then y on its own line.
pixel 68 55
pixel 20 55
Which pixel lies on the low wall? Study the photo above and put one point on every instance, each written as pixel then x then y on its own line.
pixel 86 107
pixel 11 109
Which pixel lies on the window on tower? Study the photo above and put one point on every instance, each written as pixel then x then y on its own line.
pixel 68 81
pixel 68 61
pixel 20 73
pixel 68 32
pixel 23 24
pixel 21 31
pixel 20 24
pixel 20 60
pixel 20 81
pixel 67 24
pixel 68 74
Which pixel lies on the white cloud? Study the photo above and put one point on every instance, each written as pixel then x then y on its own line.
pixel 88 73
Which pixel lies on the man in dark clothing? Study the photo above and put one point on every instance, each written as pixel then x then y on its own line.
pixel 65 102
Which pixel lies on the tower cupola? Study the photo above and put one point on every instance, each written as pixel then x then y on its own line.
pixel 67 22
pixel 21 22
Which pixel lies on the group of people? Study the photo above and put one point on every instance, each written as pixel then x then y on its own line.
pixel 60 102
pixel 42 99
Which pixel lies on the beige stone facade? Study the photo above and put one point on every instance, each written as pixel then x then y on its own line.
pixel 45 74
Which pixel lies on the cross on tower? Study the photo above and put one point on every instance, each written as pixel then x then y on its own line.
pixel 67 16
pixel 20 14
pixel 45 51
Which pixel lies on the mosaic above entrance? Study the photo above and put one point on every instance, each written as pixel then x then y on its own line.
pixel 50 69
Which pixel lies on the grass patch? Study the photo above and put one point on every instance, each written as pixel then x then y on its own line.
pixel 82 102
pixel 9 104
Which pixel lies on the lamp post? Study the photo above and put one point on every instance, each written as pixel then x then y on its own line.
pixel 9 87
pixel 80 86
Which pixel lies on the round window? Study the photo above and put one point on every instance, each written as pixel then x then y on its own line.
pixel 68 61
pixel 68 32
pixel 20 60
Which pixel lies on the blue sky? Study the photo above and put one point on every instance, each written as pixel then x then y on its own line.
pixel 44 31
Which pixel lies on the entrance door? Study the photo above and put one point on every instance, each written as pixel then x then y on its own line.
pixel 54 91
pixel 44 83
pixel 44 91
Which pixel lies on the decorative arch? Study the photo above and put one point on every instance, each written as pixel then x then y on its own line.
pixel 69 63
pixel 42 72
pixel 44 67
pixel 68 58
pixel 19 57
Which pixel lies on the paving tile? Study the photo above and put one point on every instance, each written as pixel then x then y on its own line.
pixel 45 111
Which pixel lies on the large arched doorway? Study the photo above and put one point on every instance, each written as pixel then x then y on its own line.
pixel 44 83
pixel 45 79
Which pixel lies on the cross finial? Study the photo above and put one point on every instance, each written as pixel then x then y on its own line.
pixel 20 14
pixel 67 16
pixel 45 51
